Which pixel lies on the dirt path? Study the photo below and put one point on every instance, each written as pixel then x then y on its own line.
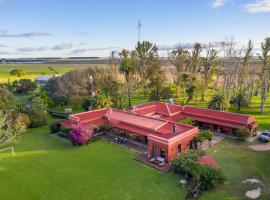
pixel 260 147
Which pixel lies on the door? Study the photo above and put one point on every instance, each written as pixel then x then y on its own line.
pixel 155 151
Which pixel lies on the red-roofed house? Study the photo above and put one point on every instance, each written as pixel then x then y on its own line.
pixel 156 122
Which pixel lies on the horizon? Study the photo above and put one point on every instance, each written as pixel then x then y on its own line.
pixel 31 29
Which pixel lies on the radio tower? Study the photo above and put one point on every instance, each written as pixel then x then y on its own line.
pixel 139 30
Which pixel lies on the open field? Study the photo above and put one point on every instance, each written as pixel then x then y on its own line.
pixel 34 70
pixel 49 167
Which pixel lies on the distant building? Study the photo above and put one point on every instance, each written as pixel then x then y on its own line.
pixel 42 79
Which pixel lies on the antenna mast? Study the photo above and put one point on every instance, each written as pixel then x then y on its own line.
pixel 139 31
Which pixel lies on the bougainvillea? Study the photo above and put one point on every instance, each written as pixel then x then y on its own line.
pixel 81 135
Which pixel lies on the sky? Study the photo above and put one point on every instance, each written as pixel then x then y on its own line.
pixel 65 28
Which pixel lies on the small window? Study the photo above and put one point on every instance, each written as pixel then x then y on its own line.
pixel 179 147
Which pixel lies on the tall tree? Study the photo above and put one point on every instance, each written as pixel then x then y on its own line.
pixel 113 63
pixel 145 57
pixel 180 58
pixel 265 70
pixel 244 76
pixel 195 58
pixel 127 68
pixel 209 65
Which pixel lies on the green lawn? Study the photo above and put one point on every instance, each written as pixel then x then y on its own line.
pixel 239 163
pixel 49 167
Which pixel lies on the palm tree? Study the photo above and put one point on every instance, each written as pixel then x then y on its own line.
pixel 240 100
pixel 127 68
pixel 218 102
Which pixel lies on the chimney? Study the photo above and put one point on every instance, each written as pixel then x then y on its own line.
pixel 174 128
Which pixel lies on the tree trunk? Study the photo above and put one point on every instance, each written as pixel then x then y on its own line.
pixel 263 95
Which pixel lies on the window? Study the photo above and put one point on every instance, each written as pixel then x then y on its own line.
pixel 179 147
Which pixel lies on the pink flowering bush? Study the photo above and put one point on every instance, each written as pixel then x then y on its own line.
pixel 81 135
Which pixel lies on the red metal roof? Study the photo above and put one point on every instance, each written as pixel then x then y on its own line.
pixel 217 117
pixel 133 122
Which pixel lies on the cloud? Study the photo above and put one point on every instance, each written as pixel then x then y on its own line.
pixel 259 6
pixel 77 51
pixel 84 33
pixel 32 49
pixel 218 3
pixel 7 34
pixel 5 53
pixel 63 46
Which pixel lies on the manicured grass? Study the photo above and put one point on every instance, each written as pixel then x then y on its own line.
pixel 239 163
pixel 49 167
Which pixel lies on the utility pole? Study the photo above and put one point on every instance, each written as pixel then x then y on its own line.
pixel 139 31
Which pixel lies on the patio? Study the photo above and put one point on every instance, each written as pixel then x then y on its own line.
pixel 145 160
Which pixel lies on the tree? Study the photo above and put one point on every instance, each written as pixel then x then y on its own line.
pixel 240 100
pixel 113 62
pixel 37 114
pixel 11 127
pixel 209 65
pixel 5 97
pixel 127 68
pixel 180 58
pixel 244 76
pixel 265 70
pixel 25 85
pixel 18 72
pixel 218 102
pixel 103 101
pixel 145 58
pixel 208 176
pixel 205 135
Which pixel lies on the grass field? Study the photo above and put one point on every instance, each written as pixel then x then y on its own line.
pixel 49 167
pixel 34 70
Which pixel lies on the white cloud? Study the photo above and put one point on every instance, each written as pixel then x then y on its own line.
pixel 218 3
pixel 259 6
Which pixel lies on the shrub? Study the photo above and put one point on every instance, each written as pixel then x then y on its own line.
pixel 54 127
pixel 81 135
pixel 18 72
pixel 38 118
pixel 208 176
pixel 166 93
pixel 243 133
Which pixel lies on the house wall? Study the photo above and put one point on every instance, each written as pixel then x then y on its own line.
pixel 172 148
